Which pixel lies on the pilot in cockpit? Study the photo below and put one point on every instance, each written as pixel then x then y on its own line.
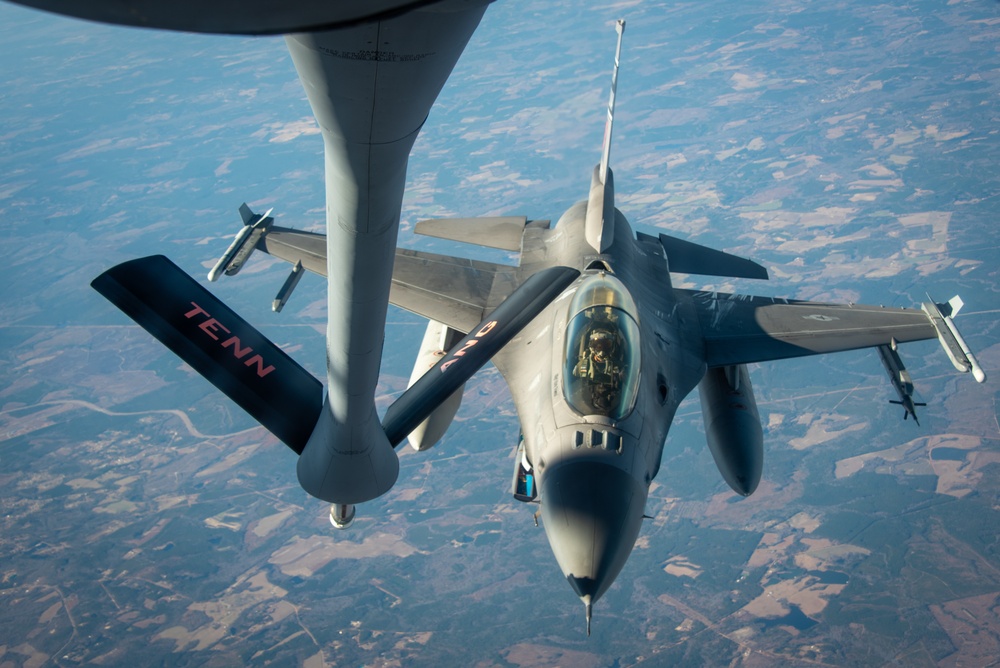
pixel 600 346
pixel 601 369
pixel 598 361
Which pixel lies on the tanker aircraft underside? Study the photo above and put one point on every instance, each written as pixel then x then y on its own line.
pixel 597 347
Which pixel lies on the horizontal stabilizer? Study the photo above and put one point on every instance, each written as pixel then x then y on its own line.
pixel 218 344
pixel 685 257
pixel 474 351
pixel 247 214
pixel 502 232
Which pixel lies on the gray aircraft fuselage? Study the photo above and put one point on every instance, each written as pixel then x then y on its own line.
pixel 594 467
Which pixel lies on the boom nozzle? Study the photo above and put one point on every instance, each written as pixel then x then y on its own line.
pixel 342 515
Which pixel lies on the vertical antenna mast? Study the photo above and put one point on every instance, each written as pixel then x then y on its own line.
pixel 606 153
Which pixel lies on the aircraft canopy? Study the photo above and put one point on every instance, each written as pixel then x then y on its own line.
pixel 601 374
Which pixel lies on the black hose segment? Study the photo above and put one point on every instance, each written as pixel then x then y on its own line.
pixel 475 350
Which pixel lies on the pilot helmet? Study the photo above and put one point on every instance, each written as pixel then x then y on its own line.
pixel 600 342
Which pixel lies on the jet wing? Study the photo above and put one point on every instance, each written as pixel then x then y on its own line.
pixel 451 290
pixel 309 248
pixel 740 329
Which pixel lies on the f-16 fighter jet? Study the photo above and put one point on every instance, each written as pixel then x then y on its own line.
pixel 597 346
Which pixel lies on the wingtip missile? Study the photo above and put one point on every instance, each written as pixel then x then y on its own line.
pixel 977 371
pixel 951 340
pixel 254 226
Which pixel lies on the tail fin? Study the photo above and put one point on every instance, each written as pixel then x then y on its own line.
pixel 246 214
pixel 606 150
pixel 218 344
pixel 599 226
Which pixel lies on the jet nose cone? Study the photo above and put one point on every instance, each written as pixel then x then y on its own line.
pixel 744 485
pixel 592 513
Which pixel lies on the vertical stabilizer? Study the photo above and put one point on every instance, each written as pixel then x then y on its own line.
pixel 600 222
pixel 606 151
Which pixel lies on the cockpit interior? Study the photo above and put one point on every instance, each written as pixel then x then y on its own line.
pixel 601 375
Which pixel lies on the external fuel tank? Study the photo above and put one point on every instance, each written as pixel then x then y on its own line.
pixel 438 340
pixel 732 426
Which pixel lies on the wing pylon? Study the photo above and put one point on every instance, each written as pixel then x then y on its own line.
pixel 900 379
